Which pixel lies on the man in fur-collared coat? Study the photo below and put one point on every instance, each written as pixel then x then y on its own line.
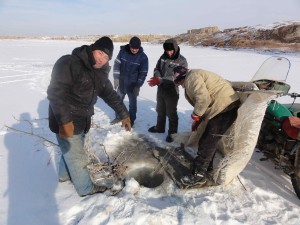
pixel 215 104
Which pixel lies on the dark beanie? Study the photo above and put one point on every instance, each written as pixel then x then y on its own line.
pixel 168 46
pixel 181 73
pixel 135 42
pixel 104 44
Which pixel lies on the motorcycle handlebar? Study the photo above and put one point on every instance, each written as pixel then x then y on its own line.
pixel 294 95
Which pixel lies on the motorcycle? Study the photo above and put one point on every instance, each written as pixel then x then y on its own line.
pixel 279 137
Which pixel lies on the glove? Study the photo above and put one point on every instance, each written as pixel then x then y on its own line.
pixel 154 81
pixel 126 123
pixel 136 91
pixel 196 121
pixel 116 84
pixel 66 130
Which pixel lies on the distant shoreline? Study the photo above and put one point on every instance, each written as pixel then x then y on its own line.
pixel 281 37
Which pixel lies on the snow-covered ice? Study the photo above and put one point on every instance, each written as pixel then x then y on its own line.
pixel 29 190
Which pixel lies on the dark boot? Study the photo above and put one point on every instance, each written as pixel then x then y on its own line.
pixel 169 138
pixel 155 130
pixel 196 180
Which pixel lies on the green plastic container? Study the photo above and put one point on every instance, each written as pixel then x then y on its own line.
pixel 276 112
pixel 294 108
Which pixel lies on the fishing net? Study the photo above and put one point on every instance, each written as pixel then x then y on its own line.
pixel 238 143
pixel 105 174
pixel 240 140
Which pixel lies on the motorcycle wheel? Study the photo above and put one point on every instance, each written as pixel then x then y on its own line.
pixel 296 184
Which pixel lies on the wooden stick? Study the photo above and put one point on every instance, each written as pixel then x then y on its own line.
pixel 31 134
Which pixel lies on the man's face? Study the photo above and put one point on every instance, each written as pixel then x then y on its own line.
pixel 101 58
pixel 134 50
pixel 170 53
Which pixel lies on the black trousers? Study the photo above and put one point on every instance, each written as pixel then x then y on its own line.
pixel 167 100
pixel 207 145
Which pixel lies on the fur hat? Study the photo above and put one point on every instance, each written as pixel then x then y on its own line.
pixel 135 42
pixel 168 46
pixel 180 73
pixel 104 44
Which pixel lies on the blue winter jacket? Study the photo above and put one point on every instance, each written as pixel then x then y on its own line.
pixel 130 69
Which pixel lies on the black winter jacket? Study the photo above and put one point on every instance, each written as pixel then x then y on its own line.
pixel 74 88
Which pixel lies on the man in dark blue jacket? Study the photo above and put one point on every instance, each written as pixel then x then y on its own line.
pixel 76 81
pixel 130 71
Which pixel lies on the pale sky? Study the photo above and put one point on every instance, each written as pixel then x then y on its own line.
pixel 89 17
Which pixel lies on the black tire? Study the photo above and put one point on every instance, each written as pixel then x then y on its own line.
pixel 296 184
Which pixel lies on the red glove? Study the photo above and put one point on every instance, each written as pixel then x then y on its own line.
pixel 153 81
pixel 196 122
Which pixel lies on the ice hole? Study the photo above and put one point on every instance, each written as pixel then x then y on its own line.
pixel 147 176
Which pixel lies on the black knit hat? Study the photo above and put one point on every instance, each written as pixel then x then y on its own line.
pixel 168 46
pixel 135 42
pixel 179 73
pixel 104 44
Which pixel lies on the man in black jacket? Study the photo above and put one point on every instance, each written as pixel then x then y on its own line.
pixel 76 81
